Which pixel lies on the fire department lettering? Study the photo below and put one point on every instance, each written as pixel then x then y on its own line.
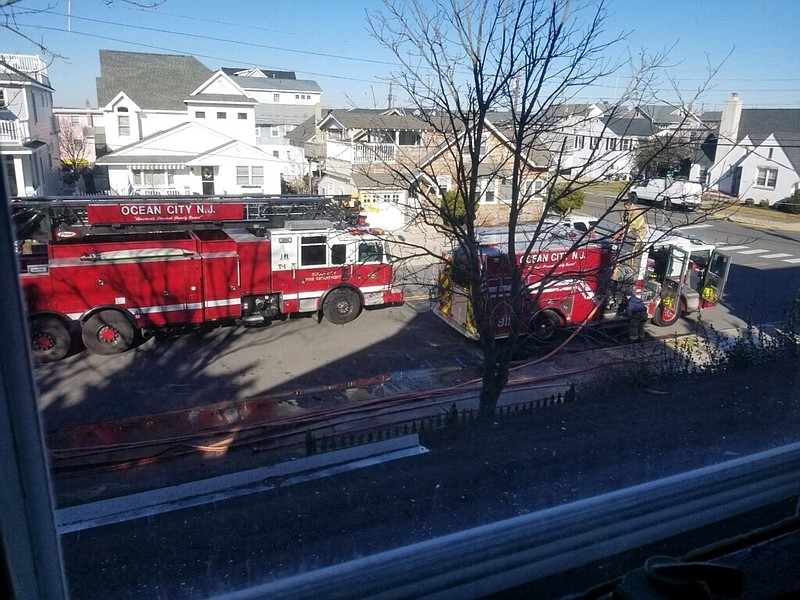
pixel 554 256
pixel 125 212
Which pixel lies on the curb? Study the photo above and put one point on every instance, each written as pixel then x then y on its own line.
pixel 196 493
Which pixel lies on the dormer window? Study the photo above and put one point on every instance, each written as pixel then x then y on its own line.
pixel 123 122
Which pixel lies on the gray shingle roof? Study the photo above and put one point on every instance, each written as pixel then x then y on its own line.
pixel 357 119
pixel 283 114
pixel 759 123
pixel 273 84
pixel 152 81
pixel 636 127
pixel 790 144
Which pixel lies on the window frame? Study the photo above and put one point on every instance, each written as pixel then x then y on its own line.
pixel 763 179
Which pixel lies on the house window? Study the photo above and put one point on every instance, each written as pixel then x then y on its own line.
pixel 297 96
pixel 275 131
pixel 33 104
pixel 250 176
pixel 242 116
pixel 276 153
pixel 579 142
pixel 445 182
pixel 2 98
pixel 199 114
pixel 222 115
pixel 767 178
pixel 143 178
pixel 487 192
pixel 770 153
pixel 611 144
pixel 276 97
pixel 74 120
pixel 123 122
pixel 409 138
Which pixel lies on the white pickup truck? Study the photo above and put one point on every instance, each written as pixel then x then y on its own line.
pixel 667 193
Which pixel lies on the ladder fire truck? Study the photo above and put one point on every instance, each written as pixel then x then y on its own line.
pixel 114 269
pixel 568 283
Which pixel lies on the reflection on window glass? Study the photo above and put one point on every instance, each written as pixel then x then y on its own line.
pixel 338 254
pixel 370 252
pixel 313 250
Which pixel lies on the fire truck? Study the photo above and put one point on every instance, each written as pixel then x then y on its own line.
pixel 114 270
pixel 568 283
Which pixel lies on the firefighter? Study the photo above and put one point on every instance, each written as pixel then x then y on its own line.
pixel 636 311
pixel 630 236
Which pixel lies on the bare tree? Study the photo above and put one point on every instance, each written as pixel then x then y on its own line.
pixel 493 78
pixel 72 146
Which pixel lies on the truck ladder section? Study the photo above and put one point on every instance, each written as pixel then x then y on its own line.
pixel 53 218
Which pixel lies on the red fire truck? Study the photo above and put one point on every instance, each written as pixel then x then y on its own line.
pixel 568 283
pixel 119 267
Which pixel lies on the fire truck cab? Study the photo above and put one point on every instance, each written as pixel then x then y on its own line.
pixel 113 269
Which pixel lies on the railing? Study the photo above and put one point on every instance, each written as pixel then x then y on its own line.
pixel 352 152
pixel 30 64
pixel 156 191
pixel 13 131
pixel 374 153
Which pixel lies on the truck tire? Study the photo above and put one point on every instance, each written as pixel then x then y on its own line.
pixel 341 306
pixel 544 326
pixel 107 332
pixel 50 339
pixel 665 315
pixel 633 197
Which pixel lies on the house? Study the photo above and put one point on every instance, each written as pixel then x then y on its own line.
pixel 192 158
pixel 438 172
pixel 374 153
pixel 28 139
pixel 145 95
pixel 752 153
pixel 78 127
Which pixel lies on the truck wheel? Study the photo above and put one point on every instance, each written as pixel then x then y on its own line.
pixel 50 340
pixel 633 197
pixel 341 306
pixel 667 314
pixel 107 332
pixel 544 325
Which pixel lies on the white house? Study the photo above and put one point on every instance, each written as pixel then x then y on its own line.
pixel 192 158
pixel 28 138
pixel 754 152
pixel 143 95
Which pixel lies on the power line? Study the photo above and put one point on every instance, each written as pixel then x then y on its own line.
pixel 173 50
pixel 225 40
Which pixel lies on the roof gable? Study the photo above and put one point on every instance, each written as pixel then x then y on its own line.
pixel 219 84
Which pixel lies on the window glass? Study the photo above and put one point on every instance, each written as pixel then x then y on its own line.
pixel 313 251
pixel 339 254
pixel 370 252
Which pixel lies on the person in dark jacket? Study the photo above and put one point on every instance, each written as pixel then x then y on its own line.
pixel 636 311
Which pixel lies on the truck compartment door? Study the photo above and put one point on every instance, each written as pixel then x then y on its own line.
pixel 671 289
pixel 714 280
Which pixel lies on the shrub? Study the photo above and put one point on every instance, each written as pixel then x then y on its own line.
pixel 792 204
pixel 763 203
pixel 565 200
pixel 749 202
pixel 453 206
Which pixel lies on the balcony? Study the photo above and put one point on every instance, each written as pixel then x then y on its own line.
pixel 14 131
pixel 352 152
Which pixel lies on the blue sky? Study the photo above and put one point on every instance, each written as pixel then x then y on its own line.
pixel 328 41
